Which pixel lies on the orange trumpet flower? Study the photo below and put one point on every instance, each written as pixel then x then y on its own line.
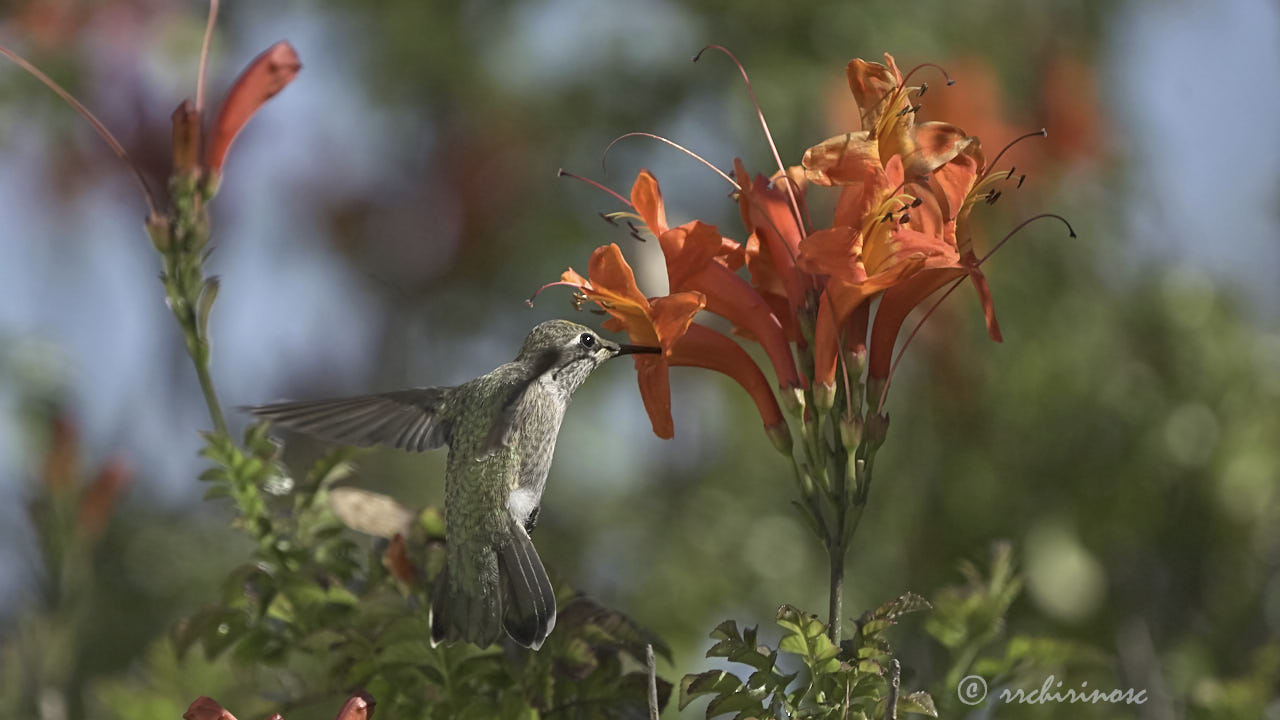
pixel 668 323
pixel 698 259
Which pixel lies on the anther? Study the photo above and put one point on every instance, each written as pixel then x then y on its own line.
pixel 917 202
pixel 606 218
pixel 1021 179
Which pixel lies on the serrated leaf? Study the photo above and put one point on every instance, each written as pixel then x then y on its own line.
pixel 742 701
pixel 919 703
pixel 727 630
pixel 760 658
pixel 711 682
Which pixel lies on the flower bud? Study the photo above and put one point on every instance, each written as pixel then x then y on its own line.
pixel 876 429
pixel 851 432
pixel 780 436
pixel 186 138
pixel 792 400
pixel 158 229
pixel 824 396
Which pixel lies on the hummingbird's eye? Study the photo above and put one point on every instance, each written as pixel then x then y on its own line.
pixel 587 340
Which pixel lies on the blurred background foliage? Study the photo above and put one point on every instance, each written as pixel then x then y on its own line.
pixel 384 220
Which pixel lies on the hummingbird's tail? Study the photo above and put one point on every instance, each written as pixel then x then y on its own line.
pixel 523 600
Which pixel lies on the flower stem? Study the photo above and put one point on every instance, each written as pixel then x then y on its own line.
pixel 206 386
pixel 835 600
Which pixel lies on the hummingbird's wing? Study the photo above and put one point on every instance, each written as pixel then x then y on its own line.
pixel 406 419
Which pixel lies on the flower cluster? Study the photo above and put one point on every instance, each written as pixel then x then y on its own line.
pixel 898 234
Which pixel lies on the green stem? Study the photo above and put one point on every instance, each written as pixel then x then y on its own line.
pixel 837 549
pixel 835 601
pixel 206 386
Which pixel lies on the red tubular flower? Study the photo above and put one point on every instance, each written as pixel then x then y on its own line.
pixel 705 348
pixel 267 75
pixel 775 238
pixel 695 254
pixel 668 323
pixel 881 252
pixel 957 195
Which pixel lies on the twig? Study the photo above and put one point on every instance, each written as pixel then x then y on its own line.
pixel 895 681
pixel 653 682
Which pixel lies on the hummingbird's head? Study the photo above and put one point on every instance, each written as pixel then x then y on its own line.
pixel 570 351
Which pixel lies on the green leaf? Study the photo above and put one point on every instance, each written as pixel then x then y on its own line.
pixel 742 701
pixel 712 682
pixel 727 630
pixel 918 703
pixel 806 636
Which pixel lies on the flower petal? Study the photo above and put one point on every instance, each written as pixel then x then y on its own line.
pixel 672 315
pixel 988 305
pixel 768 214
pixel 873 86
pixel 933 145
pixel 957 177
pixel 842 160
pixel 655 392
pixel 688 249
pixel 647 198
pixel 833 251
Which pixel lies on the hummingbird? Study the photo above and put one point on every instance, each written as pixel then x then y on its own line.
pixel 501 431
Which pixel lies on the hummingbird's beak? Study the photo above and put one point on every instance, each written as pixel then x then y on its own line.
pixel 634 349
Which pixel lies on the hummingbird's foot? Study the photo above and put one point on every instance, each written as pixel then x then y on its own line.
pixel 531 522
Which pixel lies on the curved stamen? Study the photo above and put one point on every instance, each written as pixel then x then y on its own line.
pixel 605 156
pixel 93 120
pixel 935 66
pixel 768 136
pixel 955 284
pixel 884 393
pixel 204 54
pixel 538 292
pixel 1041 132
pixel 1071 231
pixel 565 173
